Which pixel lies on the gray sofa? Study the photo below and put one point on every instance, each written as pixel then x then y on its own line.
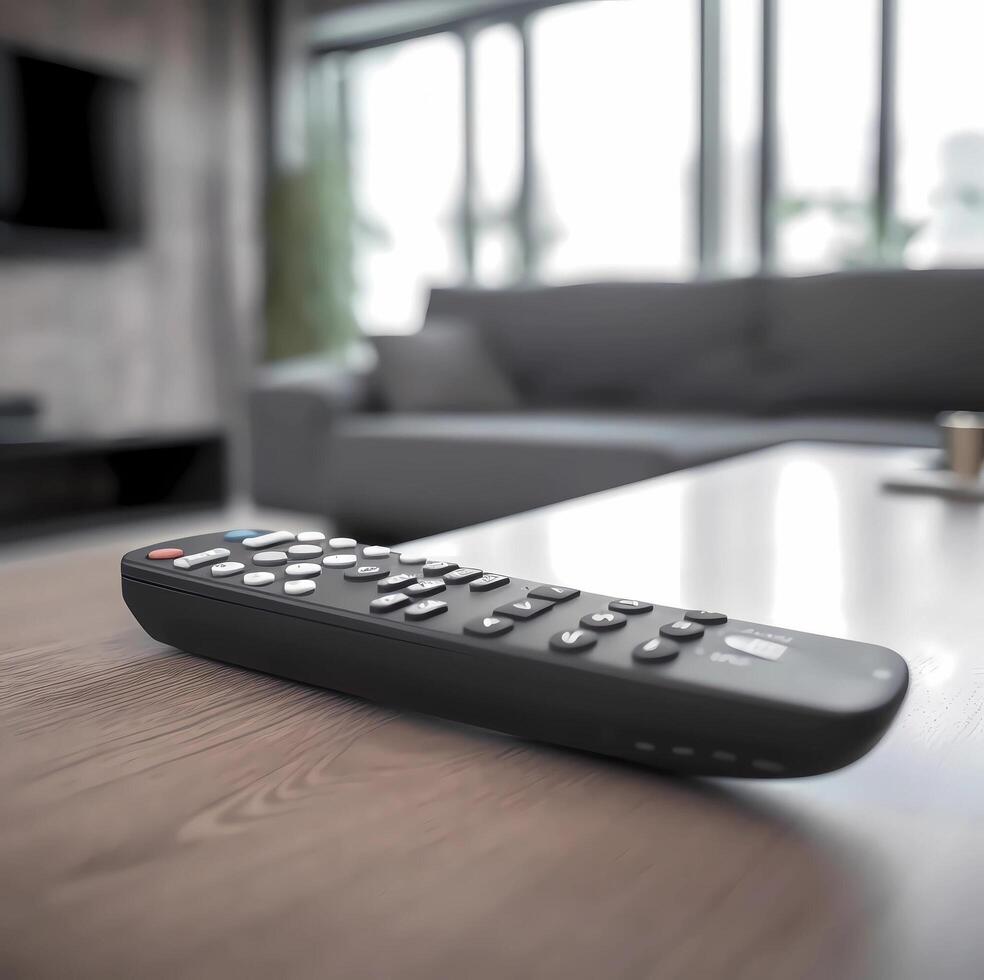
pixel 617 382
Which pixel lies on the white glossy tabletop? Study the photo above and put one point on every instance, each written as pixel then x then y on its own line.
pixel 804 537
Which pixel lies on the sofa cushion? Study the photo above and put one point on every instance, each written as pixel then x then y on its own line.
pixel 629 345
pixel 889 340
pixel 444 367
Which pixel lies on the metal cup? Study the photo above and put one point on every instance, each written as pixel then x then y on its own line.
pixel 963 441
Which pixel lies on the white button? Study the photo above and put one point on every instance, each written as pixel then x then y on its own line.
pixel 270 558
pixel 756 646
pixel 412 560
pixel 227 568
pixel 342 543
pixel 300 587
pixel 258 578
pixel 310 537
pixel 202 558
pixel 304 550
pixel 265 540
pixel 376 551
pixel 339 561
pixel 302 569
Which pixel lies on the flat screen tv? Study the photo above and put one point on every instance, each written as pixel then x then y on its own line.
pixel 70 153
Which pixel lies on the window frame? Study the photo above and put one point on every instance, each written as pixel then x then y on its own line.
pixel 707 214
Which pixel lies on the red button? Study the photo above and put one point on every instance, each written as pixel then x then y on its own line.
pixel 159 553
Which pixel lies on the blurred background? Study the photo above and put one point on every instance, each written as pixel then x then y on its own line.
pixel 410 265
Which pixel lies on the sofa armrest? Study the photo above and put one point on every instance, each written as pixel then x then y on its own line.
pixel 292 408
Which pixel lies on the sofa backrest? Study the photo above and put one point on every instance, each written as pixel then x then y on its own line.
pixel 892 341
pixel 889 340
pixel 616 344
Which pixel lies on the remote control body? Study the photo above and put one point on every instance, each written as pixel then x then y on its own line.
pixel 694 692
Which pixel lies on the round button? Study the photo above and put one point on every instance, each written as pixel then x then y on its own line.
pixel 160 554
pixel 682 629
pixel 631 607
pixel 573 641
pixel 488 626
pixel 302 586
pixel 311 537
pixel 341 542
pixel 257 579
pixel 658 650
pixel 603 621
pixel 241 534
pixel 304 550
pixel 303 569
pixel 376 551
pixel 224 568
pixel 270 558
pixel 339 561
pixel 705 618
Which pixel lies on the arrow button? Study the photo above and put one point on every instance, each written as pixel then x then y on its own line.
pixel 573 641
pixel 488 626
pixel 603 621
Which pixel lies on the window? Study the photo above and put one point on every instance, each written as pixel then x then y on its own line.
pixel 827 129
pixel 940 133
pixel 565 143
pixel 498 147
pixel 614 127
pixel 741 134
pixel 405 151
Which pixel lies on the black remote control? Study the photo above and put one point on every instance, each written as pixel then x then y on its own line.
pixel 690 691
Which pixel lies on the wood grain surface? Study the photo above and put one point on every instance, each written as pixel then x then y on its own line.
pixel 165 816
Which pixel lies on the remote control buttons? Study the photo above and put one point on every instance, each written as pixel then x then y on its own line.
pixel 224 568
pixel 425 609
pixel 202 558
pixel 339 561
pixel 435 567
pixel 555 593
pixel 385 603
pixel 488 582
pixel 573 641
pixel 488 626
pixel 462 575
pixel 603 621
pixel 241 534
pixel 524 608
pixel 257 579
pixel 303 569
pixel 163 554
pixel 301 586
pixel 426 586
pixel 395 582
pixel 341 542
pixel 705 618
pixel 412 559
pixel 658 650
pixel 305 551
pixel 366 573
pixel 269 540
pixel 311 537
pixel 756 646
pixel 271 558
pixel 376 551
pixel 631 607
pixel 682 629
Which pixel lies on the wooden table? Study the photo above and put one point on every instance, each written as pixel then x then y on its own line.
pixel 163 816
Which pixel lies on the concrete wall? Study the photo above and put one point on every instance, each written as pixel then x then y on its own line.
pixel 157 335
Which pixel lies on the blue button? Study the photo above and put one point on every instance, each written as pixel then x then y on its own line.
pixel 241 533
